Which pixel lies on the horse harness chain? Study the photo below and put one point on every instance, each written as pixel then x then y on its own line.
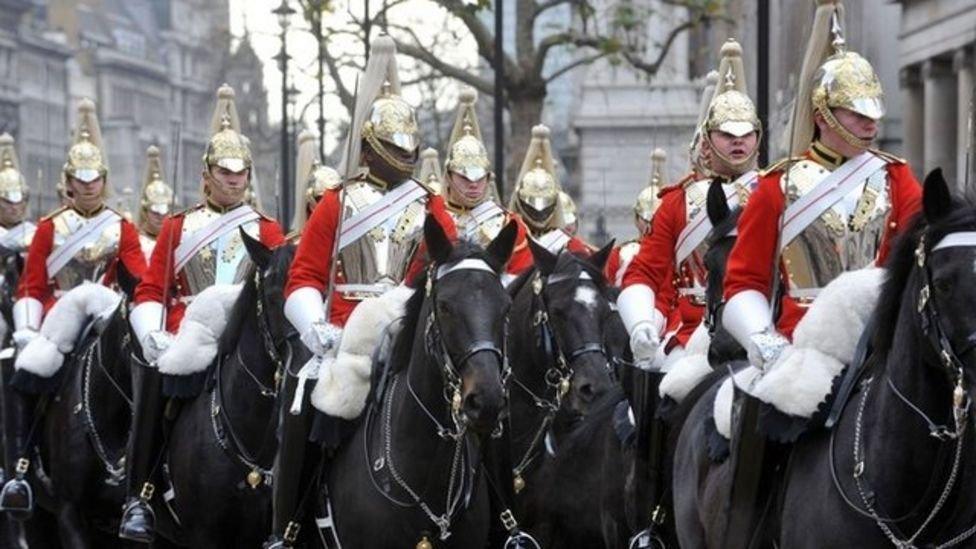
pixel 458 489
pixel 932 328
pixel 558 376
pixel 223 428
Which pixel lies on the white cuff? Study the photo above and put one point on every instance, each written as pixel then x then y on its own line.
pixel 28 314
pixel 304 308
pixel 746 313
pixel 636 306
pixel 146 317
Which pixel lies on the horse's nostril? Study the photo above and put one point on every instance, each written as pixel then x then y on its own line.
pixel 586 391
pixel 472 404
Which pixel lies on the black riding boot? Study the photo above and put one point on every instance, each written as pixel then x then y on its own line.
pixel 145 442
pixel 17 497
pixel 291 470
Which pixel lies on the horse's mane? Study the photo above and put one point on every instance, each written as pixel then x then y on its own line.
pixel 583 435
pixel 403 346
pixel 721 231
pixel 901 265
pixel 280 262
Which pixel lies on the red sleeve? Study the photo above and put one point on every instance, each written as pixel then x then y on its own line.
pixel 34 280
pixel 521 259
pixel 654 263
pixel 271 234
pixel 750 263
pixel 130 250
pixel 906 201
pixel 310 268
pixel 151 286
pixel 576 245
pixel 613 263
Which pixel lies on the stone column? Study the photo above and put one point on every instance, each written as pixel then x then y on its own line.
pixel 940 117
pixel 962 63
pixel 913 116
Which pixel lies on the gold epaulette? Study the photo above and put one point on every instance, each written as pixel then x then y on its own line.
pixel 54 213
pixel 780 165
pixel 888 157
pixel 187 210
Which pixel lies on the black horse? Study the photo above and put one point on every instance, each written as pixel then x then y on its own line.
pixel 897 467
pixel 561 311
pixel 223 441
pixel 411 471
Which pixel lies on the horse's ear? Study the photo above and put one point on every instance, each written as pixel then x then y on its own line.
pixel 126 280
pixel 439 246
pixel 543 258
pixel 716 204
pixel 600 257
pixel 501 247
pixel 260 254
pixel 936 197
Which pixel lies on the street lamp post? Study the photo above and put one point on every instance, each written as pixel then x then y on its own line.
pixel 284 13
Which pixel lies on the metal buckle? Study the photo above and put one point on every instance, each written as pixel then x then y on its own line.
pixel 147 492
pixel 23 464
pixel 291 531
pixel 508 520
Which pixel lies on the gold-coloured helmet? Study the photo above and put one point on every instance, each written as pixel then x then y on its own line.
pixel 157 195
pixel 833 77
pixel 731 110
pixel 13 187
pixel 392 121
pixel 695 150
pixel 466 153
pixel 228 147
pixel 86 160
pixel 312 179
pixel 430 170
pixel 567 208
pixel 537 195
pixel 647 200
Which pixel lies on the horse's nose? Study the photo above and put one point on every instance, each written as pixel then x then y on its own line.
pixel 586 390
pixel 482 409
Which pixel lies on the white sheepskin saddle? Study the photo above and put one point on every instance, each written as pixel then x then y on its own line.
pixel 44 355
pixel 824 342
pixel 343 384
pixel 689 367
pixel 195 345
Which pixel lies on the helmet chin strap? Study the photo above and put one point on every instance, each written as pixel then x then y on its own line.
pixel 843 132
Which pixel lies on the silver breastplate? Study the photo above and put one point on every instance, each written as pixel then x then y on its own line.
pixel 844 238
pixel 696 201
pixel 222 261
pixel 19 237
pixel 481 233
pixel 93 259
pixel 382 255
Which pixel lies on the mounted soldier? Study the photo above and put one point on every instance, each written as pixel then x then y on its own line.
pixel 312 180
pixel 155 201
pixel 663 299
pixel 470 192
pixel 362 243
pixel 16 232
pixel 644 207
pixel 536 198
pixel 75 244
pixel 196 248
pixel 833 207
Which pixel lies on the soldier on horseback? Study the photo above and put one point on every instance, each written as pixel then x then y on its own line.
pixel 361 242
pixel 664 288
pixel 644 207
pixel 470 194
pixel 197 248
pixel 16 232
pixel 312 180
pixel 834 207
pixel 75 244
pixel 155 201
pixel 537 197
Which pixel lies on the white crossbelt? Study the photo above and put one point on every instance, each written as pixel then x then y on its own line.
pixel 392 203
pixel 697 229
pixel 88 232
pixel 554 241
pixel 15 237
pixel 484 212
pixel 809 207
pixel 194 242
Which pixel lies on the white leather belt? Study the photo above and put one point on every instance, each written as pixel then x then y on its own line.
pixel 805 295
pixel 362 291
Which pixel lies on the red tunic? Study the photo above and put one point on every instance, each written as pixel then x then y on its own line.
pixel 654 266
pixel 151 288
pixel 755 248
pixel 314 255
pixel 35 283
pixel 521 259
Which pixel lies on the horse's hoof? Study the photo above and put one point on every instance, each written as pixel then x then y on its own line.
pixel 138 522
pixel 17 499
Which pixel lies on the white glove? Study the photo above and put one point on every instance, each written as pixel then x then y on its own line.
pixel 155 344
pixel 766 347
pixel 322 338
pixel 23 337
pixel 644 342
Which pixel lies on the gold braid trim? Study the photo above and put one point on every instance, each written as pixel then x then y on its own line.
pixel 843 132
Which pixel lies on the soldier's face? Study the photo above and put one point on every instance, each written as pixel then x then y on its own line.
pixel 862 127
pixel 465 192
pixel 12 213
pixel 86 195
pixel 379 167
pixel 734 148
pixel 154 221
pixel 226 187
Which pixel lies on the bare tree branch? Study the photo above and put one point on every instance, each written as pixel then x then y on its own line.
pixel 421 54
pixel 575 64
